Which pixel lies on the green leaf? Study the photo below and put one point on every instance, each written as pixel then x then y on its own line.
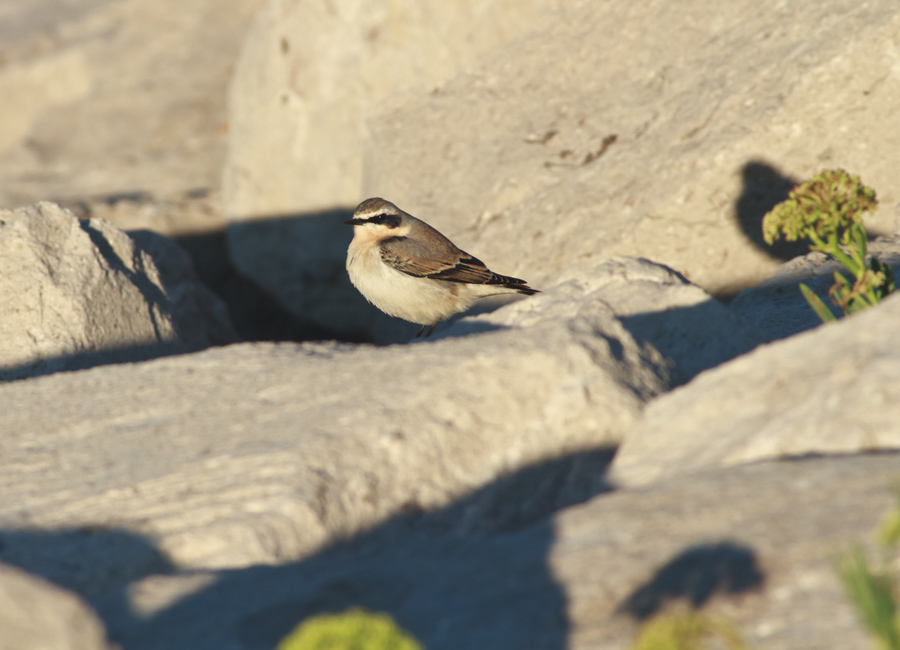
pixel 858 232
pixel 873 596
pixel 687 631
pixel 816 303
pixel 889 530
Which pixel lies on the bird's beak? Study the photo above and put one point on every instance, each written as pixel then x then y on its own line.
pixel 355 222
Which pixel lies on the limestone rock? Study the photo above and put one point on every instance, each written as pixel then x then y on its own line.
pixel 308 76
pixel 832 390
pixel 755 544
pixel 657 131
pixel 776 306
pixel 660 130
pixel 37 615
pixel 105 97
pixel 658 306
pixel 260 453
pixel 81 293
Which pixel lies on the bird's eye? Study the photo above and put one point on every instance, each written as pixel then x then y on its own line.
pixel 378 218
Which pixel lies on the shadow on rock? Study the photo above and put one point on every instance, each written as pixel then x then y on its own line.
pixel 692 338
pixel 473 574
pixel 195 222
pixel 256 314
pixel 87 559
pixel 696 575
pixel 764 188
pixel 85 360
pixel 310 279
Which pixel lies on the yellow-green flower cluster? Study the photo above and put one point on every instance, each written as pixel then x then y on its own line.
pixel 825 205
pixel 355 629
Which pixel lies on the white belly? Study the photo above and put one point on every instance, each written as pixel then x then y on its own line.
pixel 397 294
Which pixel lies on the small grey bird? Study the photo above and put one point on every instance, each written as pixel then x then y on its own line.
pixel 409 270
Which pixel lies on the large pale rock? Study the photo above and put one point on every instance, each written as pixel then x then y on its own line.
pixel 260 453
pixel 777 308
pixel 36 615
pixel 754 544
pixel 114 96
pixel 656 129
pixel 80 293
pixel 692 330
pixel 833 390
pixel 308 76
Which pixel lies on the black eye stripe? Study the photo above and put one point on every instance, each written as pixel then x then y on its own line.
pixel 390 220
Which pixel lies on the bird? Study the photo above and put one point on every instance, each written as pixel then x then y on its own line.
pixel 409 270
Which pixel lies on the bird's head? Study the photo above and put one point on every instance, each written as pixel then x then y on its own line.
pixel 379 217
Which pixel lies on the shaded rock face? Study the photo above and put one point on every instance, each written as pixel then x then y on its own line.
pixel 832 390
pixel 80 293
pixel 690 329
pixel 38 615
pixel 777 308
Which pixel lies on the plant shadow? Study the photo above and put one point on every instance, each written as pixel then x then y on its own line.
pixel 694 576
pixel 764 187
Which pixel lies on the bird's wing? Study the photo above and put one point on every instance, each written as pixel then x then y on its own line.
pixel 438 259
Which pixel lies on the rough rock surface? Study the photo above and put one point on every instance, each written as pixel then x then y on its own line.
pixel 81 293
pixel 832 390
pixel 117 109
pixel 755 544
pixel 654 130
pixel 259 453
pixel 692 330
pixel 36 615
pixel 777 308
pixel 662 130
pixel 213 500
pixel 308 76
pixel 108 97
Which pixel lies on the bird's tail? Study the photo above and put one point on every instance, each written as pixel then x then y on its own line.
pixel 513 283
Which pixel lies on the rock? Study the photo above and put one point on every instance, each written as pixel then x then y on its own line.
pixel 308 76
pixel 37 615
pixel 81 293
pixel 200 319
pixel 119 107
pixel 661 130
pixel 754 544
pixel 692 330
pixel 194 220
pixel 261 453
pixel 776 306
pixel 832 390
pixel 108 97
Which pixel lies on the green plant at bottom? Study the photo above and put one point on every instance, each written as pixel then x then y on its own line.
pixel 874 591
pixel 355 629
pixel 686 631
pixel 827 210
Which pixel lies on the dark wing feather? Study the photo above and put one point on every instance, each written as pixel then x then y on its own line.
pixel 449 264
